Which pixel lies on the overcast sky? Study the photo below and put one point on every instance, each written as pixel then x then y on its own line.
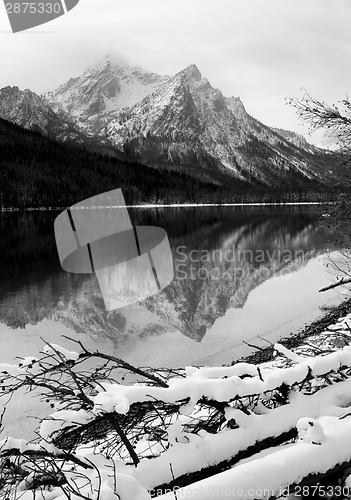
pixel 260 50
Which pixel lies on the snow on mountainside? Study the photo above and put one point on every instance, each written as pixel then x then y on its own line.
pixel 107 87
pixel 186 122
pixel 297 139
pixel 27 109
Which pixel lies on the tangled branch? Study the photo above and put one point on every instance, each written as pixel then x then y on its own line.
pixel 336 119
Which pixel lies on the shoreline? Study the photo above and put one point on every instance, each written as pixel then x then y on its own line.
pixel 177 205
pixel 295 339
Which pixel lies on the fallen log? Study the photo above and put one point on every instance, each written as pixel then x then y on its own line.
pixel 341 281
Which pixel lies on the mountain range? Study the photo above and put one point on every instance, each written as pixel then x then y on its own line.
pixel 175 122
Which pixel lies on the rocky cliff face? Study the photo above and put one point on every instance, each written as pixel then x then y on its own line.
pixel 27 109
pixel 187 123
pixel 103 89
pixel 297 140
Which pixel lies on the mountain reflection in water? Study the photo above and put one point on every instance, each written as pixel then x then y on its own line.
pixel 220 256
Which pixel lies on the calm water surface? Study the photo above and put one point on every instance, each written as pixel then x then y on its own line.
pixel 240 274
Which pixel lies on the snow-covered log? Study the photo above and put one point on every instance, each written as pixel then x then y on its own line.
pixel 342 281
pixel 206 450
pixel 269 473
pixel 118 398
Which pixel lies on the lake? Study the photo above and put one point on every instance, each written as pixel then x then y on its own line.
pixel 242 274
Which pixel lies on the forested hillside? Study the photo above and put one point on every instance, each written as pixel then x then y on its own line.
pixel 36 171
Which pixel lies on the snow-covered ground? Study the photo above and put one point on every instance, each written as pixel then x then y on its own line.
pixel 320 415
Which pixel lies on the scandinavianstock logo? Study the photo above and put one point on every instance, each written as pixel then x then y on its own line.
pixel 131 263
pixel 24 15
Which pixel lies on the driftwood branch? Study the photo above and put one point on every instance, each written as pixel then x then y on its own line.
pixel 341 281
pixel 113 419
pixel 37 454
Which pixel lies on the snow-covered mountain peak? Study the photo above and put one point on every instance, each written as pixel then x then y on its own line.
pixel 16 91
pixel 186 121
pixel 27 109
pixel 236 106
pixel 23 107
pixel 297 140
pixel 190 72
pixel 115 59
pixel 109 86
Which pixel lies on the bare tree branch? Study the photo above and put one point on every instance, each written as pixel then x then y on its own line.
pixel 335 119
